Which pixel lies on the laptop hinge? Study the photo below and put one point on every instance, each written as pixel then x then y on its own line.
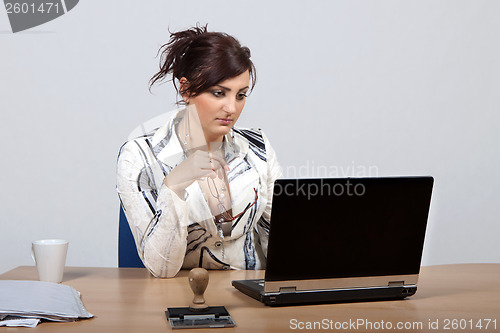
pixel 396 283
pixel 285 290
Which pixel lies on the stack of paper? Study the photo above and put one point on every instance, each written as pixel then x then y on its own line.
pixel 24 303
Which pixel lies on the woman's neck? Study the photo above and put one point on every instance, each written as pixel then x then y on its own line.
pixel 214 140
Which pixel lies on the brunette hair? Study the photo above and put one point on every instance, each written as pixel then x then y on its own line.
pixel 203 58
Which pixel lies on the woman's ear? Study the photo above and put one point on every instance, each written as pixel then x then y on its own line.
pixel 183 89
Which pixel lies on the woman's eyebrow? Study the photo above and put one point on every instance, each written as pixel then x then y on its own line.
pixel 229 89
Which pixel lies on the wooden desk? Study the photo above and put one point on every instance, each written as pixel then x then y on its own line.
pixel 131 300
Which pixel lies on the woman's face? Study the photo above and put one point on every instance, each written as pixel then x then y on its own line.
pixel 220 106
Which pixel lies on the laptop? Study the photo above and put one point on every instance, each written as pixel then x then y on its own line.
pixel 343 239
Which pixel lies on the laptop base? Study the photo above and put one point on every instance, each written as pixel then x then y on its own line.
pixel 254 289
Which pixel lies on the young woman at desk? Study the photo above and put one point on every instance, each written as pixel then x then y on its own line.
pixel 197 192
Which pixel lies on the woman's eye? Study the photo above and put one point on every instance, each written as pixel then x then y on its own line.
pixel 218 93
pixel 242 96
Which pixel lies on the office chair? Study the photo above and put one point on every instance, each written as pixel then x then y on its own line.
pixel 127 251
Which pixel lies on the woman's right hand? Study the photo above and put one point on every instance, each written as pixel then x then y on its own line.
pixel 197 165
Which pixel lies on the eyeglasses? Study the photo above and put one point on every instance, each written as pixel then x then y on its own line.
pixel 224 213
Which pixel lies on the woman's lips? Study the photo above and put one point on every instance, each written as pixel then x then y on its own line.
pixel 224 121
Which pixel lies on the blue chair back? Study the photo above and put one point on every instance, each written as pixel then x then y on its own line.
pixel 127 251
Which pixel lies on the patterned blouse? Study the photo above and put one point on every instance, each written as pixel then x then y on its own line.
pixel 172 232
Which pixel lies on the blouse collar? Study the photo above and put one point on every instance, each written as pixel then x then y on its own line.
pixel 169 150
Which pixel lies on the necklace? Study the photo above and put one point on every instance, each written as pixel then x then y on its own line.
pixel 224 214
pixel 223 221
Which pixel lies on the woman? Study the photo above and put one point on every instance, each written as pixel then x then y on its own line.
pixel 197 192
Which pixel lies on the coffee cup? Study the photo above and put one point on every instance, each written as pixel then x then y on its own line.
pixel 50 257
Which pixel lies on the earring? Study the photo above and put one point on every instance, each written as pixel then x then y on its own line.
pixel 186 128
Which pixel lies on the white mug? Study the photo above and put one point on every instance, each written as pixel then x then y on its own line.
pixel 50 257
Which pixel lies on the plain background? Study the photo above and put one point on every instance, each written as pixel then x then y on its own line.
pixel 344 87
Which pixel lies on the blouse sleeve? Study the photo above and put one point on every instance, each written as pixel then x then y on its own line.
pixel 157 217
pixel 273 172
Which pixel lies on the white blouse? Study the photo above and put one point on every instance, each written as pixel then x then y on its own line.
pixel 173 233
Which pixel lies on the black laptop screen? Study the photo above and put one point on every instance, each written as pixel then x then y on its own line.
pixel 337 228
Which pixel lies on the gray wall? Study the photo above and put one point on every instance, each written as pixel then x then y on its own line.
pixel 345 88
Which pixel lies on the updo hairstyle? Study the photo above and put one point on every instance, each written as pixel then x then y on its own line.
pixel 204 58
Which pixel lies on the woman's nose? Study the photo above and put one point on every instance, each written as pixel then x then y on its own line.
pixel 230 106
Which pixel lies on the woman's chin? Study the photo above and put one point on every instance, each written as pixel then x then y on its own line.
pixel 223 130
pixel 219 134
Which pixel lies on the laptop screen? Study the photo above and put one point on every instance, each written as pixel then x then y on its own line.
pixel 352 227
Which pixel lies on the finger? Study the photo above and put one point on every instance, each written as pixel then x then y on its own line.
pixel 219 170
pixel 219 162
pixel 206 173
pixel 206 165
pixel 204 162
